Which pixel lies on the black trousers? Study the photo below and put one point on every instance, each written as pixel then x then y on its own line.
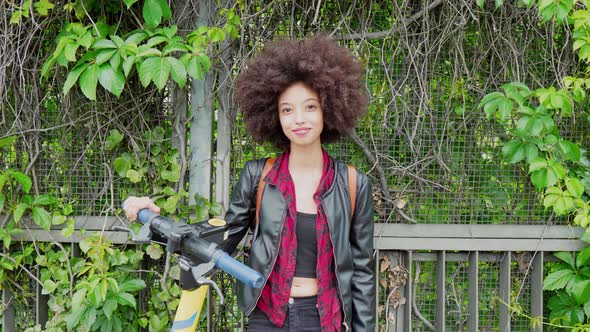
pixel 302 316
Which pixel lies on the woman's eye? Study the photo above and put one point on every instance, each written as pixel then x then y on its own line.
pixel 311 107
pixel 285 110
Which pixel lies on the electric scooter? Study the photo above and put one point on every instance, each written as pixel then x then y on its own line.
pixel 199 254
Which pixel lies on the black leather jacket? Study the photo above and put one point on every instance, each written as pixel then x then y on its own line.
pixel 352 240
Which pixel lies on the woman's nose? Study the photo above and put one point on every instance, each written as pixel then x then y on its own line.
pixel 299 117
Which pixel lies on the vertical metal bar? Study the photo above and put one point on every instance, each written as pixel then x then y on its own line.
pixel 209 320
pixel 440 291
pixel 377 279
pixel 9 313
pixel 41 306
pixel 505 292
pixel 473 292
pixel 408 293
pixel 143 293
pixel 537 290
pixel 396 258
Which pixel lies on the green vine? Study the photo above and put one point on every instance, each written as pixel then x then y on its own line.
pixel 557 167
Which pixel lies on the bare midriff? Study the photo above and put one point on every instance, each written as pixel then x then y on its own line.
pixel 302 287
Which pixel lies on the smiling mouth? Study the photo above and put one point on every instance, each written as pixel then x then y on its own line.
pixel 301 131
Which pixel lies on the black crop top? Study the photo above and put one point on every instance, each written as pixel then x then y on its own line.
pixel 307 245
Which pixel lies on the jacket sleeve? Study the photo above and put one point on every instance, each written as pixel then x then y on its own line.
pixel 241 211
pixel 363 278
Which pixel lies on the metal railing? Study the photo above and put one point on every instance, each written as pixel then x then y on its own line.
pixel 407 248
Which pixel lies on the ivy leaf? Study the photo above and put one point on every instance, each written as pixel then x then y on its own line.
pixel 49 286
pixel 88 81
pixel 41 217
pixel 69 229
pixel 19 211
pixel 171 203
pixel 132 285
pixel 86 245
pixel 514 151
pixel 129 3
pixel 194 69
pixel 128 65
pixel 73 77
pixel 122 166
pixel 499 3
pixel 574 187
pixel 104 56
pixel 166 11
pixel 44 200
pixel 566 257
pixel 134 176
pixel 215 34
pixel 583 257
pixel 154 251
pixel 531 152
pixel 112 80
pixel 73 318
pixel 43 7
pixel 125 299
pixel 172 175
pixel 152 12
pixel 558 279
pixel 156 69
pixel 89 318
pixel 58 219
pixel 178 71
pixel 23 179
pixel 115 137
pixel 104 44
pixel 559 200
pixel 582 219
pixel 78 297
pixel 6 142
pixel 569 150
pixel 109 307
pixel 564 306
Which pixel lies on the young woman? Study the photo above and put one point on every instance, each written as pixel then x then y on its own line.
pixel 317 258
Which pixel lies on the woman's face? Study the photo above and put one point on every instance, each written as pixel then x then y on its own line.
pixel 301 115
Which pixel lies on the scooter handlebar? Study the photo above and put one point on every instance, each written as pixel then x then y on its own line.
pixel 221 259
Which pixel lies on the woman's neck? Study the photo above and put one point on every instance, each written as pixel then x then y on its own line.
pixel 306 158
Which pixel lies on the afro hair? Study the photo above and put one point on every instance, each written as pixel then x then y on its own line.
pixel 318 62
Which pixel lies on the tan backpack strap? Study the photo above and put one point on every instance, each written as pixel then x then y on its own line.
pixel 261 183
pixel 352 188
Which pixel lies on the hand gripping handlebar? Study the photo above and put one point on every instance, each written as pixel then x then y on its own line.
pixel 191 245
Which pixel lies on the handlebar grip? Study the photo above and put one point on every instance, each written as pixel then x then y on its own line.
pixel 242 272
pixel 145 215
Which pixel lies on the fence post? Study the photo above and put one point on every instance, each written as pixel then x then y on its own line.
pixel 473 295
pixel 505 291
pixel 537 289
pixel 440 291
pixel 409 294
pixel 41 307
pixel 9 314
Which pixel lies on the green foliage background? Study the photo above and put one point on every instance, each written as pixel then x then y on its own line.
pixel 478 115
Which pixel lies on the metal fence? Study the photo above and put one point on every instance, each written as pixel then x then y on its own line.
pixel 430 277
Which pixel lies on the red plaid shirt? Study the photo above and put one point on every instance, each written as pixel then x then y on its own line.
pixel 275 295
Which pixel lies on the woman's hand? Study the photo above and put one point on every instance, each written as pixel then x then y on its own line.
pixel 133 204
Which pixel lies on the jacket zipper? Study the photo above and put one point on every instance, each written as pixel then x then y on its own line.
pixel 271 268
pixel 337 279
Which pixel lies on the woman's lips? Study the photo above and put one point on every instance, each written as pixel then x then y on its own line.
pixel 301 131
